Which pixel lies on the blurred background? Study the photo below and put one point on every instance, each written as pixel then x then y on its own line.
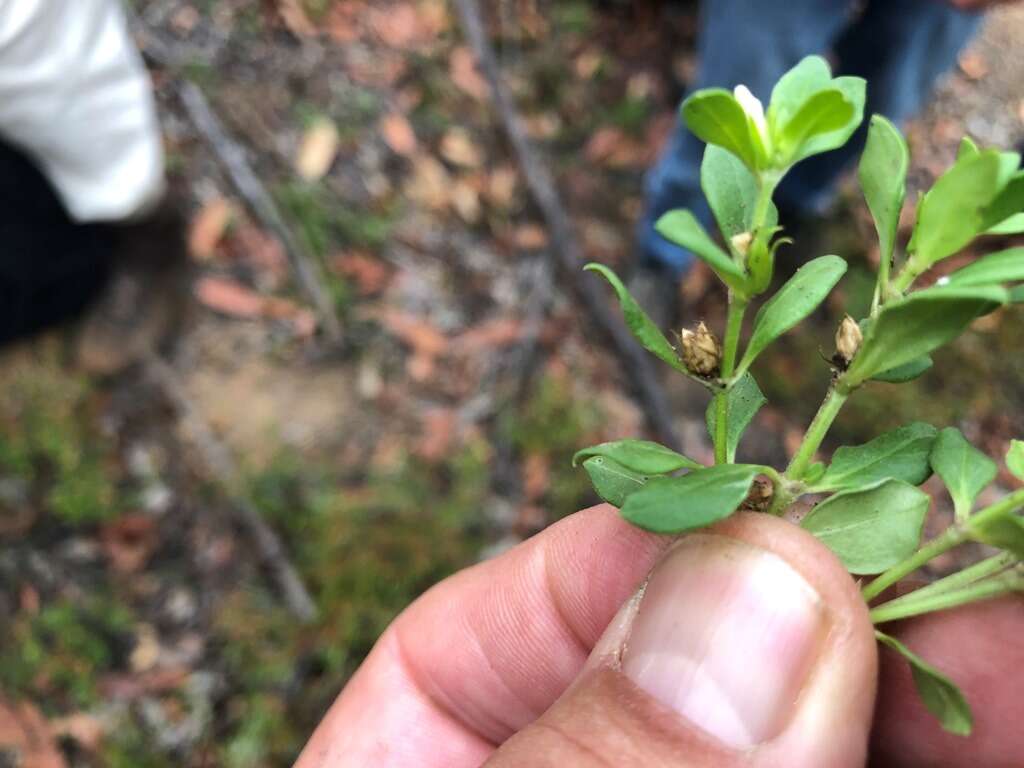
pixel 377 372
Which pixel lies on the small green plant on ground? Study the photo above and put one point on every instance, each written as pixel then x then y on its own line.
pixel 873 512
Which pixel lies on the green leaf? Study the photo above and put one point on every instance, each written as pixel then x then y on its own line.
pixel 1005 532
pixel 901 455
pixel 967 148
pixel 852 89
pixel 791 92
pixel 883 178
pixel 952 212
pixel 823 113
pixel 715 117
pixel 1013 225
pixel 964 469
pixel 1010 200
pixel 1017 295
pixel 814 472
pixel 918 324
pixel 731 190
pixel 1015 459
pixel 1001 267
pixel 682 228
pixel 939 694
pixel 871 529
pixel 641 456
pixel 743 400
pixel 643 328
pixel 612 481
pixel 702 497
pixel 906 372
pixel 794 301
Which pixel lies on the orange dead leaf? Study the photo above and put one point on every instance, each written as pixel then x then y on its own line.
pixel 501 186
pixel 430 185
pixel 84 729
pixel 208 228
pixel 464 73
pixel 370 275
pixel 487 336
pixel 318 149
pixel 295 19
pixel 129 541
pixel 530 237
pixel 458 148
pixel 396 25
pixel 415 332
pixel 228 297
pixel 25 732
pixel 439 431
pixel 398 134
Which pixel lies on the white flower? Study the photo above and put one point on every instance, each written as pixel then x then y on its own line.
pixel 754 109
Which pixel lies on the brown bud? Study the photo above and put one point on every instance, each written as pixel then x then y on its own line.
pixel 701 351
pixel 848 339
pixel 760 497
pixel 742 241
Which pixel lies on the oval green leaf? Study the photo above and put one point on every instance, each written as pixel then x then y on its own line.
pixel 918 324
pixel 964 469
pixel 823 113
pixel 906 372
pixel 715 117
pixel 852 89
pixel 731 190
pixel 702 497
pixel 613 482
pixel 940 694
pixel 996 268
pixel 1015 459
pixel 1004 532
pixel 872 529
pixel 900 455
pixel 1007 204
pixel 1012 225
pixel 643 456
pixel 795 300
pixel 682 228
pixel 743 400
pixel 883 179
pixel 791 92
pixel 642 327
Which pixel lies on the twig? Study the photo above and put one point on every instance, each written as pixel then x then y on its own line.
pixel 221 467
pixel 232 156
pixel 564 245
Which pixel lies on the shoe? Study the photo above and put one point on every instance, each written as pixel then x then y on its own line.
pixel 144 303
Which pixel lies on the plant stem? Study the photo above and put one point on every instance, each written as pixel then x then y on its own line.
pixel 949 539
pixel 907 276
pixel 960 579
pixel 816 432
pixel 981 590
pixel 733 327
pixel 882 284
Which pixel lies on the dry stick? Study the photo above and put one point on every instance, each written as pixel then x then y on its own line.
pixel 221 466
pixel 246 182
pixel 541 185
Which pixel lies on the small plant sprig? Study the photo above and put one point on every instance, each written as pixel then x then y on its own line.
pixel 873 511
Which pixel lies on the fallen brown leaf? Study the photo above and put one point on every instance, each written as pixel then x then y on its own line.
pixel 464 73
pixel 530 237
pixel 129 541
pixel 415 332
pixel 466 201
pixel 396 24
pixel 24 731
pixel 370 275
pixel 295 19
pixel 398 134
pixel 209 227
pixel 501 186
pixel 458 148
pixel 262 250
pixel 438 434
pixel 228 297
pixel 318 149
pixel 84 729
pixel 487 336
pixel 430 185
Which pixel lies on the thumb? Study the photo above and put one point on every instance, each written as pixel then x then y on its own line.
pixel 749 646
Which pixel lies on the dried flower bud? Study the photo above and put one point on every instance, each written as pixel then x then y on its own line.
pixel 701 351
pixel 760 497
pixel 848 339
pixel 742 241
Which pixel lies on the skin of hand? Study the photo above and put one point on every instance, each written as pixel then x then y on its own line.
pixel 595 644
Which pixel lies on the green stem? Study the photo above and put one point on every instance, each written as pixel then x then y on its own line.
pixel 733 327
pixel 910 272
pixel 1002 507
pixel 816 432
pixel 982 590
pixel 925 554
pixel 882 284
pixel 960 579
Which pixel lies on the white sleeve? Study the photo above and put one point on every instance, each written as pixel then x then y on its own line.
pixel 75 95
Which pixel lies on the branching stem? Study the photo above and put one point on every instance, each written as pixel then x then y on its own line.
pixel 1012 581
pixel 834 401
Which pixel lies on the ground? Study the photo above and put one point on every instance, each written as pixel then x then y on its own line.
pixel 139 626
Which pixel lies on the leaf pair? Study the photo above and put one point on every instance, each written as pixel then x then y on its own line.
pixel 619 468
pixel 908 329
pixel 810 112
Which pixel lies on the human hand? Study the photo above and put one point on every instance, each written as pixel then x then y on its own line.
pixel 749 646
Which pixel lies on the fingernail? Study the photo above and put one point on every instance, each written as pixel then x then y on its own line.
pixel 726 635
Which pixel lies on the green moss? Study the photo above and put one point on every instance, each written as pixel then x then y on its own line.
pixel 58 655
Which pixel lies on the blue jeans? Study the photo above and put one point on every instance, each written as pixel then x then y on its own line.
pixel 901 47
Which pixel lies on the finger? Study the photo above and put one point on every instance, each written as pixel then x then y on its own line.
pixel 981 648
pixel 749 646
pixel 484 653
